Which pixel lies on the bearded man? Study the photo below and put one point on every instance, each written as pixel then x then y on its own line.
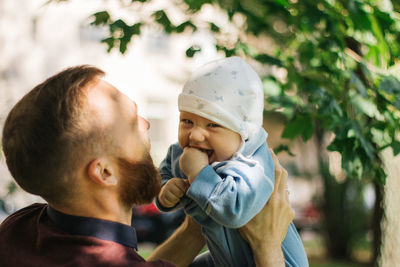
pixel 79 143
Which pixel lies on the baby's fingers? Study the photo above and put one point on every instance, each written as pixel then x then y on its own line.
pixel 180 186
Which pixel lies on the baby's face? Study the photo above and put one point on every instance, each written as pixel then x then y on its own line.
pixel 217 141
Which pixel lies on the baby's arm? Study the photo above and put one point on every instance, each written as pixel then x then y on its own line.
pixel 233 200
pixel 172 192
pixel 169 169
pixel 233 193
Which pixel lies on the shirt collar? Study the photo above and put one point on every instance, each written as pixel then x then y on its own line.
pixel 102 229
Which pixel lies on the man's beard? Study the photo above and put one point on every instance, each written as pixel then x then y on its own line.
pixel 140 181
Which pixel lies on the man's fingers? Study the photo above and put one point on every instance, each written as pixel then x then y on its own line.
pixel 278 170
pixel 287 195
pixel 283 181
pixel 281 176
pixel 276 163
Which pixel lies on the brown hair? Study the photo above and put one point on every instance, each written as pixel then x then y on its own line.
pixel 41 135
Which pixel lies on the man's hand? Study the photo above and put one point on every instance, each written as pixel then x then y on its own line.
pixel 172 192
pixel 182 246
pixel 192 161
pixel 267 230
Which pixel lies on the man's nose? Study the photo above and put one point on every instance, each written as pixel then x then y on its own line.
pixel 144 124
pixel 197 134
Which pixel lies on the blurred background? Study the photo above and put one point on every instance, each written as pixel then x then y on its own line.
pixel 330 72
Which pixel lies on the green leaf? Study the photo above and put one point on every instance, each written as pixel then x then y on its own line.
pixel 282 148
pixel 214 27
pixel 365 144
pixel 380 137
pixel 359 17
pixel 246 49
pixel 380 176
pixel 101 18
pixel 358 83
pixel 122 47
pixel 228 52
pixel 351 161
pixel 382 44
pixel 397 103
pixel 266 59
pixel 283 3
pixel 396 147
pixel 110 43
pixel 125 33
pixel 187 24
pixel 368 148
pixel 191 51
pixel 353 166
pixel 118 25
pixel 300 125
pixel 11 188
pixel 334 106
pixel 162 18
pixel 136 28
pixel 390 85
pixel 293 129
pixel 308 131
pixel 271 87
pixel 365 106
pixel 195 5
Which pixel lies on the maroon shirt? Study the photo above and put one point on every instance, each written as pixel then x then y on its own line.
pixel 41 236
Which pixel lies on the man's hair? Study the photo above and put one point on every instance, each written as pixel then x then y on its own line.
pixel 42 137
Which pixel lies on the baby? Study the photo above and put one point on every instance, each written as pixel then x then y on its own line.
pixel 221 171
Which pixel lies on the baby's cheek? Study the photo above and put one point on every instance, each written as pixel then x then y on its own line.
pixel 182 143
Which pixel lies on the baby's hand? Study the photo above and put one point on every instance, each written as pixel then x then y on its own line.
pixel 172 192
pixel 192 161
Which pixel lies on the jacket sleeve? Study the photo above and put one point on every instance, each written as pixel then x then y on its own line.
pixel 168 169
pixel 166 172
pixel 165 168
pixel 234 195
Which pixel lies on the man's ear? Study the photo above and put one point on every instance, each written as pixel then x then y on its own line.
pixel 100 171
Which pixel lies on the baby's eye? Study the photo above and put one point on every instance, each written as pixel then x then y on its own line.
pixel 213 125
pixel 186 121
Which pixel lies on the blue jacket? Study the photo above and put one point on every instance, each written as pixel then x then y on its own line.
pixel 226 195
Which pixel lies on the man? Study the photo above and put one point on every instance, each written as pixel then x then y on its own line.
pixel 79 143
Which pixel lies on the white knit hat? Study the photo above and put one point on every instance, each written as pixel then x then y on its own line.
pixel 227 91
